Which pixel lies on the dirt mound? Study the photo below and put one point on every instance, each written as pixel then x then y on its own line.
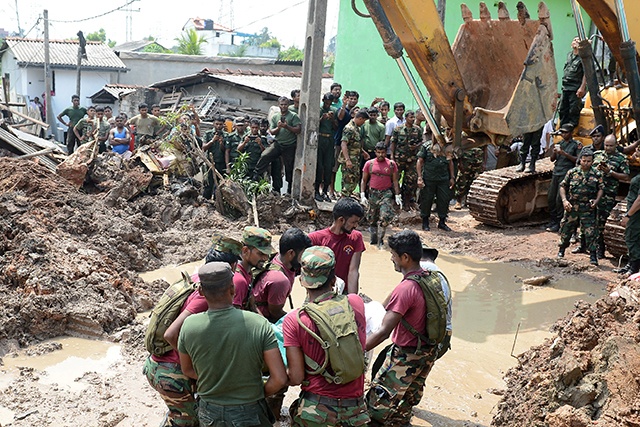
pixel 587 375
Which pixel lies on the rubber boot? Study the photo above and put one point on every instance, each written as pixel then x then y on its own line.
pixel 383 231
pixel 624 269
pixel 425 224
pixel 634 267
pixel 443 226
pixel 532 163
pixel 593 258
pixel 561 251
pixel 582 248
pixel 374 235
pixel 520 167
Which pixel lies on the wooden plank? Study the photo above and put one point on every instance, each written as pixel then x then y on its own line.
pixel 24 116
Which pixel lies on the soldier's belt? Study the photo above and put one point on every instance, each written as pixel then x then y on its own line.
pixel 381 191
pixel 330 401
pixel 326 135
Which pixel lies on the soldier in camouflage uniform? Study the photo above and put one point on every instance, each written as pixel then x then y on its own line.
pixel 233 140
pixel 614 168
pixel 631 222
pixel 322 403
pixel 470 165
pixel 351 153
pixel 405 142
pixel 381 176
pixel 214 149
pixel 164 372
pixel 581 191
pixel 254 144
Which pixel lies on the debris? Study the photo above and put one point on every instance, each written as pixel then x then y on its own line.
pixel 537 281
pixel 74 169
pixel 23 415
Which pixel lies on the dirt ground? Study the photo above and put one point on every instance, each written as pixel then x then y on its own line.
pixel 69 265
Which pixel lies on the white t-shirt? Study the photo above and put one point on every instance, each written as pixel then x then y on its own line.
pixel 546 130
pixel 391 124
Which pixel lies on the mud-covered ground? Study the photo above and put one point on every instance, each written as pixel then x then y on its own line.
pixel 69 264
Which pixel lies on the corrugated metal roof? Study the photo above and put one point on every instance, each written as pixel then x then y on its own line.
pixel 278 86
pixel 64 54
pixel 115 91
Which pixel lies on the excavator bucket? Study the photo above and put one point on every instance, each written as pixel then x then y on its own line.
pixel 508 69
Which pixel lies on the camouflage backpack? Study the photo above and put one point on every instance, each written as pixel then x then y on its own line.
pixel 338 336
pixel 436 316
pixel 165 312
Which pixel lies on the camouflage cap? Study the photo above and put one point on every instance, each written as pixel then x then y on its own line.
pixel 317 263
pixel 259 238
pixel 226 245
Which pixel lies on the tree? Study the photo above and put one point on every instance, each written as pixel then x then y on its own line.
pixel 155 48
pixel 291 54
pixel 100 36
pixel 189 43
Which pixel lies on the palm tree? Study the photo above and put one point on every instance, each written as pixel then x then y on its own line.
pixel 189 43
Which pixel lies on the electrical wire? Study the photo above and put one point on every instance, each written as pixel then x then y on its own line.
pixel 94 17
pixel 272 15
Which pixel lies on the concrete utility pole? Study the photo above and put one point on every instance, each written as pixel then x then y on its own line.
pixel 304 173
pixel 47 77
pixel 82 53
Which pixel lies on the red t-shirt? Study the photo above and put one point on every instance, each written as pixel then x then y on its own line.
pixel 273 287
pixel 295 336
pixel 407 299
pixel 380 174
pixel 241 280
pixel 195 303
pixel 343 246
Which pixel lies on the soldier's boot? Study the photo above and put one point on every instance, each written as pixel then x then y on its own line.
pixel 593 258
pixel 561 251
pixel 374 234
pixel 520 167
pixel 443 226
pixel 532 163
pixel 634 267
pixel 624 269
pixel 425 223
pixel 582 247
pixel 601 247
pixel 383 231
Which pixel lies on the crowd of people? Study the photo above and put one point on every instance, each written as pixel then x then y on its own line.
pixel 223 365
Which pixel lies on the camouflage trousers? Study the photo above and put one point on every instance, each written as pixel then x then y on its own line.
pixel 632 237
pixel 176 389
pixel 606 205
pixel 409 185
pixel 380 207
pixel 308 412
pixel 398 386
pixel 350 176
pixel 583 215
pixel 465 179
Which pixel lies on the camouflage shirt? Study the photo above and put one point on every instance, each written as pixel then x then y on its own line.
pixel 408 141
pixel 353 137
pixel 582 186
pixel 472 158
pixel 617 163
pixel 231 142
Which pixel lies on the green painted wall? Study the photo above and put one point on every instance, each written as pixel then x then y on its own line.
pixel 363 65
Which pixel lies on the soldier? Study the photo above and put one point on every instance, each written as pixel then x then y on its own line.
pixel 253 144
pixel 74 114
pixel 614 168
pixel 564 155
pixel 574 84
pixel 164 372
pixel 435 178
pixel 256 250
pixel 405 143
pixel 232 142
pixel 581 191
pixel 225 349
pixel 470 165
pixel 373 132
pixel 324 163
pixel 214 149
pixel 146 126
pixel 86 126
pixel 351 153
pixel 530 140
pixel 102 128
pixel 323 403
pixel 631 222
pixel 381 175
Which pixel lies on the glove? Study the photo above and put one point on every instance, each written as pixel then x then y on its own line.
pixel 399 200
pixel 363 199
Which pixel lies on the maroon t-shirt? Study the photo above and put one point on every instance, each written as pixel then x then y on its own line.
pixel 241 281
pixel 295 336
pixel 381 173
pixel 195 303
pixel 343 246
pixel 407 299
pixel 273 287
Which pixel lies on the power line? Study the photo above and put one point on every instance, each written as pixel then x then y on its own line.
pixel 272 15
pixel 96 16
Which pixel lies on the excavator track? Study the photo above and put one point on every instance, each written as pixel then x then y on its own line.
pixel 614 231
pixel 506 198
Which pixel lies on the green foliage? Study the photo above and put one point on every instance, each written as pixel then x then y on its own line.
pixel 291 54
pixel 100 36
pixel 239 174
pixel 189 43
pixel 240 52
pixel 156 48
pixel 272 43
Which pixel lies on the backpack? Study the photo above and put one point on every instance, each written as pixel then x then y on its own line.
pixel 436 317
pixel 165 312
pixel 336 323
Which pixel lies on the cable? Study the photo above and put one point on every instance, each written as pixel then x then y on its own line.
pixel 272 15
pixel 96 16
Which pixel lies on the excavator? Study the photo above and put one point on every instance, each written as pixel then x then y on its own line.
pixel 498 80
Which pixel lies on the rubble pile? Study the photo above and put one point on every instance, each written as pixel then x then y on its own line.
pixel 587 375
pixel 69 261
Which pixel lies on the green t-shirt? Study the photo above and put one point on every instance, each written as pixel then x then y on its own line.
pixel 373 133
pixel 74 114
pixel 326 125
pixel 226 347
pixel 284 136
pixel 145 126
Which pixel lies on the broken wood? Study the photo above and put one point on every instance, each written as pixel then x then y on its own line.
pixel 24 116
pixel 37 153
